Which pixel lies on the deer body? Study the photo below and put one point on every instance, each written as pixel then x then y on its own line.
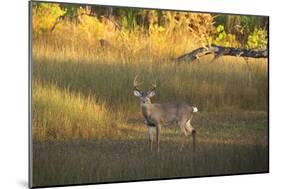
pixel 164 114
pixel 157 115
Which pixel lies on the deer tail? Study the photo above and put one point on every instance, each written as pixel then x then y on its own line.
pixel 195 109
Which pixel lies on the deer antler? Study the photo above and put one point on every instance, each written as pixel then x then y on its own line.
pixel 136 84
pixel 154 85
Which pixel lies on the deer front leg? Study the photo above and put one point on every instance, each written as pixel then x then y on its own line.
pixel 150 137
pixel 158 130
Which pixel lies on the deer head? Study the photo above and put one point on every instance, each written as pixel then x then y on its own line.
pixel 144 95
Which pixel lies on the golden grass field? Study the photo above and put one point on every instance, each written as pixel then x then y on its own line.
pixel 87 126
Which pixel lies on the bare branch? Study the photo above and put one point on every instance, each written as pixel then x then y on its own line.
pixel 219 51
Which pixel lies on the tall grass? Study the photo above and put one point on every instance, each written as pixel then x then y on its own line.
pixel 107 89
pixel 212 87
pixel 61 114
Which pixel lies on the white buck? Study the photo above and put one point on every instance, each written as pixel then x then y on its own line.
pixel 157 115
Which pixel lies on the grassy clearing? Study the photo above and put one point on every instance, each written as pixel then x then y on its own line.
pixel 86 123
pixel 228 143
pixel 86 119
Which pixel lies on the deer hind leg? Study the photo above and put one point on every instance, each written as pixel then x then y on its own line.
pixel 158 131
pixel 190 129
pixel 150 137
pixel 185 139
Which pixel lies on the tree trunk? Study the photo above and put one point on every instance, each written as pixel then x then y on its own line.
pixel 219 51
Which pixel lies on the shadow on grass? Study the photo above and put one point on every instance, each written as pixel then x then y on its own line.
pixel 74 162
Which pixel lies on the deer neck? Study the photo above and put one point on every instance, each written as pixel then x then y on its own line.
pixel 146 109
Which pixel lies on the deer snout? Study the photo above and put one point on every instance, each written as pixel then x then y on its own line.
pixel 145 100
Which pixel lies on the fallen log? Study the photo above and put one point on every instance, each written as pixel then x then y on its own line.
pixel 219 51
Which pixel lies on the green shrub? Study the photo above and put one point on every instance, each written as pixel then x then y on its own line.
pixel 257 39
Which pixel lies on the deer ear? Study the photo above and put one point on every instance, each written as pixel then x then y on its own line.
pixel 137 93
pixel 151 94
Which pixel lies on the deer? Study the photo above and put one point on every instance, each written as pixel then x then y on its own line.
pixel 157 115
